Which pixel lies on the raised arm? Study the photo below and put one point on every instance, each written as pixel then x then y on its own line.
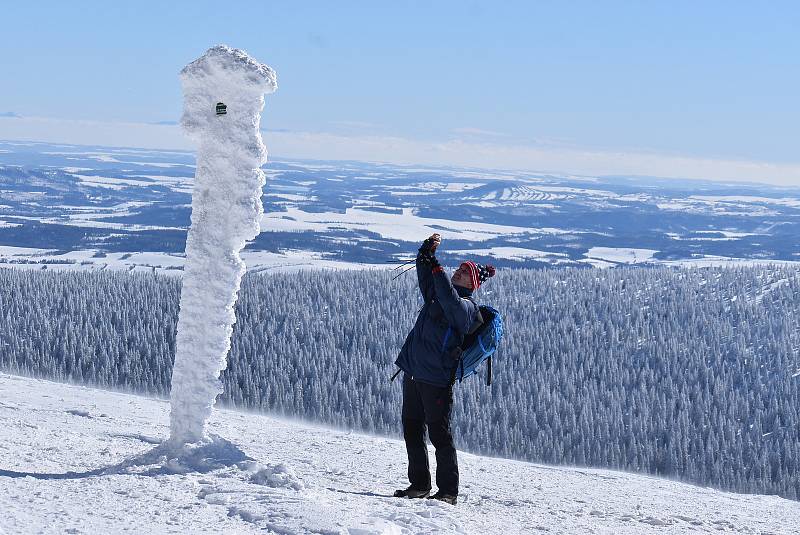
pixel 424 276
pixel 460 313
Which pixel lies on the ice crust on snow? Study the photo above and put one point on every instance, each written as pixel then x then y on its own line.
pixel 226 210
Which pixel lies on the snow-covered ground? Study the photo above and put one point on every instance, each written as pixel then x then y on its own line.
pixel 164 263
pixel 405 226
pixel 513 253
pixel 79 460
pixel 620 255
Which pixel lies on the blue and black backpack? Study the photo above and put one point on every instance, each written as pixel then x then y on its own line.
pixel 479 345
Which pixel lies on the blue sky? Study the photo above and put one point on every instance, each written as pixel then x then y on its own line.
pixel 677 86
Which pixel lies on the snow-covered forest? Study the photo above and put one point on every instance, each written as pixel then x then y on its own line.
pixel 685 373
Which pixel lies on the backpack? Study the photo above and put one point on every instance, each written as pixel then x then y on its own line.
pixel 479 345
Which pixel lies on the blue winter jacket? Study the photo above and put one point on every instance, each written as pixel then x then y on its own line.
pixel 441 325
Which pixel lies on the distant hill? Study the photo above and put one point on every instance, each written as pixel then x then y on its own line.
pixel 88 207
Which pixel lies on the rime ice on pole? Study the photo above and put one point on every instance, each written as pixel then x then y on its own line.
pixel 223 98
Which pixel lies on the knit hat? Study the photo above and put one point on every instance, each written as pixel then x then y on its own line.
pixel 479 273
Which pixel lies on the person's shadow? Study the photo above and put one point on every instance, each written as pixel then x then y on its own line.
pixel 372 494
pixel 166 458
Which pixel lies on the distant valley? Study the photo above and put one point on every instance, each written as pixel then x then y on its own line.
pixel 79 207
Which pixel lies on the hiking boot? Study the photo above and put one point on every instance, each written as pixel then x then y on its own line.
pixel 446 498
pixel 411 492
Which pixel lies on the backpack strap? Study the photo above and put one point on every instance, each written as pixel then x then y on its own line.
pixel 478 321
pixel 489 370
pixel 459 366
pixel 395 375
pixel 453 374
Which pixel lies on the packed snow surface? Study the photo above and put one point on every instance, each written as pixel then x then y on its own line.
pixel 406 225
pixel 79 460
pixel 620 255
pixel 226 211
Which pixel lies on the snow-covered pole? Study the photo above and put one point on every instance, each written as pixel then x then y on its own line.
pixel 223 98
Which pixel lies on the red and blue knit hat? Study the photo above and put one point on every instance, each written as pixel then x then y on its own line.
pixel 479 273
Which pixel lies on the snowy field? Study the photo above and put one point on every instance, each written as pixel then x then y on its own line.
pixel 79 460
pixel 297 260
pixel 164 263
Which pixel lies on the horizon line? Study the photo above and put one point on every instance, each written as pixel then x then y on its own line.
pixel 396 150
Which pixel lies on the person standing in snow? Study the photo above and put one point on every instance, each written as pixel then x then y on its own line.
pixel 428 359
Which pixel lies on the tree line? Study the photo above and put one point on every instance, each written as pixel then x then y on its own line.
pixel 686 373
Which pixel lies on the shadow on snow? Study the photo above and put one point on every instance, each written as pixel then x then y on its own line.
pixel 165 459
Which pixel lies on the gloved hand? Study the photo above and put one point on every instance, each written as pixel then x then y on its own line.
pixel 427 250
pixel 431 243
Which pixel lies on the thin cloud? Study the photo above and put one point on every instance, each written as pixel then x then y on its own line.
pixel 281 130
pixel 470 131
pixel 354 124
pixel 529 158
pixel 83 132
pixel 390 149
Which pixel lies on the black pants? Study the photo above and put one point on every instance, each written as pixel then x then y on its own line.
pixel 428 405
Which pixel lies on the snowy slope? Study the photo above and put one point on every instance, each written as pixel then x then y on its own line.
pixel 282 477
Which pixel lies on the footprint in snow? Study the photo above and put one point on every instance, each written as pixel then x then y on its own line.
pixel 653 521
pixel 689 520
